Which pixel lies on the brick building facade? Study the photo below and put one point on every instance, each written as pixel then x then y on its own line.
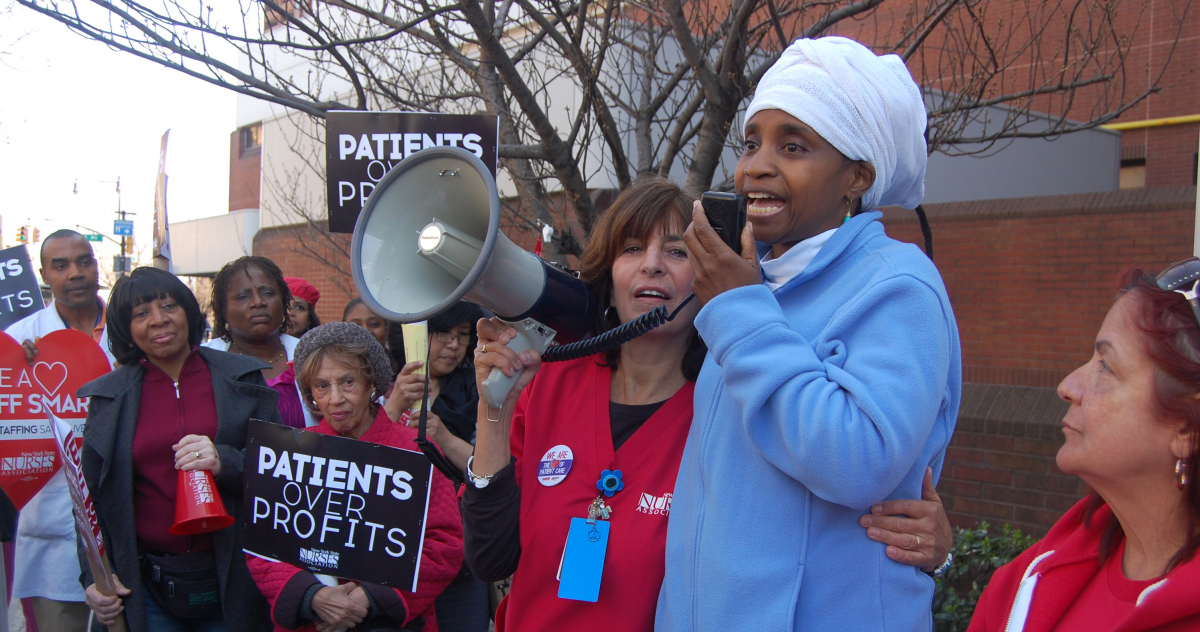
pixel 245 167
pixel 1030 281
pixel 317 257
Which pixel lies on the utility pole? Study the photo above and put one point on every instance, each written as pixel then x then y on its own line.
pixel 121 216
pixel 121 228
pixel 124 258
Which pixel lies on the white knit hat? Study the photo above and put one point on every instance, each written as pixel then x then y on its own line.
pixel 865 105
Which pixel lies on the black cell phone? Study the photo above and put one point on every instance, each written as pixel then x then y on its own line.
pixel 727 214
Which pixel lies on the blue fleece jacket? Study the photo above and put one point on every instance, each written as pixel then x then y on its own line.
pixel 815 401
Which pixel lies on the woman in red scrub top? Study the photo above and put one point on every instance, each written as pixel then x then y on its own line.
pixel 591 447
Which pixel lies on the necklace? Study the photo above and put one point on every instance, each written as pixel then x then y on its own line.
pixel 234 345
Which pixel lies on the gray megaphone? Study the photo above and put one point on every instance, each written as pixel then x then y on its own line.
pixel 430 236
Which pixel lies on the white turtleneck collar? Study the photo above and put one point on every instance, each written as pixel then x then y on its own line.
pixel 779 271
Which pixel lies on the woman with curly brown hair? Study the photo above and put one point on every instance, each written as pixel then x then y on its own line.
pixel 250 299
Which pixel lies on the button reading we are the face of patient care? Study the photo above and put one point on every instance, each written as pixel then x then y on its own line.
pixel 555 465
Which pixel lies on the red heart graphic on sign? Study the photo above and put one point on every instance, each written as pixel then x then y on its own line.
pixel 66 360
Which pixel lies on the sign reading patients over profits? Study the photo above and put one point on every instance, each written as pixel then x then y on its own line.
pixel 361 147
pixel 20 295
pixel 337 506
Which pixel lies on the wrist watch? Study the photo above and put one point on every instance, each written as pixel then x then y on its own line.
pixel 480 481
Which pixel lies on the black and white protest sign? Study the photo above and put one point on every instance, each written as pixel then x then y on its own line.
pixel 19 292
pixel 361 147
pixel 335 506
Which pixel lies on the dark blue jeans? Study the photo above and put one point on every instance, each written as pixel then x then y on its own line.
pixel 161 621
pixel 463 606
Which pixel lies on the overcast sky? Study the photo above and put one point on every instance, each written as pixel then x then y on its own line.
pixel 71 110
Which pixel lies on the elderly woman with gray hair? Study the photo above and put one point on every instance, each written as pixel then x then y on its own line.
pixel 341 370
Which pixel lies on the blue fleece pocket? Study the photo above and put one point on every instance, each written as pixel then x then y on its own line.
pixel 791 622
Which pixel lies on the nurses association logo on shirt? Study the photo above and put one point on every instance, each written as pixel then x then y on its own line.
pixel 655 505
pixel 555 465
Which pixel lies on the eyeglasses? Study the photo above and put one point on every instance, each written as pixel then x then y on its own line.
pixel 447 337
pixel 1183 277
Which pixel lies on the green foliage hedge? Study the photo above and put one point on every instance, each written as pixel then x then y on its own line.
pixel 977 554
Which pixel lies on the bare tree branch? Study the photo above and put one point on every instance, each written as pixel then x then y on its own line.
pixel 591 94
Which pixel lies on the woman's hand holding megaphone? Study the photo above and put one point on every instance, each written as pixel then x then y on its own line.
pixel 492 450
pixel 493 352
pixel 197 452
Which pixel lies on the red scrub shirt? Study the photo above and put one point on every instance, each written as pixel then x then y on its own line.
pixel 567 404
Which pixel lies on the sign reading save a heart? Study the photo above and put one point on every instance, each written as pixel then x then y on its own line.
pixel 66 360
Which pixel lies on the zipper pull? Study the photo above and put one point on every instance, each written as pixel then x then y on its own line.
pixel 176 391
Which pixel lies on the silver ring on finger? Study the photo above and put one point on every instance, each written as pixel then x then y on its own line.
pixel 198 457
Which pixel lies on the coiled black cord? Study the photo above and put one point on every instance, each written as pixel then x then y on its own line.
pixel 926 232
pixel 616 336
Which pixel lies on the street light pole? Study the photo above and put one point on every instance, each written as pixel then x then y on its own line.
pixel 124 244
pixel 121 216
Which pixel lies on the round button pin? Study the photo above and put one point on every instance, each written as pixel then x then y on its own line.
pixel 555 465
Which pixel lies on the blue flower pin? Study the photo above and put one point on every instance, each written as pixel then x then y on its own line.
pixel 610 482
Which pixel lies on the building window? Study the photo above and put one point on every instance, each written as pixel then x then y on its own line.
pixel 1133 167
pixel 251 137
pixel 274 18
pixel 1133 174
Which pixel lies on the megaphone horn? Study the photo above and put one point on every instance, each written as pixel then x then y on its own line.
pixel 429 236
pixel 198 506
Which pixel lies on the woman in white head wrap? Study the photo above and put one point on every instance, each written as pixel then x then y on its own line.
pixel 834 372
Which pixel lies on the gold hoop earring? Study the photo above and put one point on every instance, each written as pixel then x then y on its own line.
pixel 1181 477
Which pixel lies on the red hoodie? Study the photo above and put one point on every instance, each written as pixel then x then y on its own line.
pixel 1056 570
pixel 284 585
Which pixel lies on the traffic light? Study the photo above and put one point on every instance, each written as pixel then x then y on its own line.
pixel 37 236
pixel 23 235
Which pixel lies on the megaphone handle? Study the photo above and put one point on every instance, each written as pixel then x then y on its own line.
pixel 495 388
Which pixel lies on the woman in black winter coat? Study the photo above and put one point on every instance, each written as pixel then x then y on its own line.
pixel 171 406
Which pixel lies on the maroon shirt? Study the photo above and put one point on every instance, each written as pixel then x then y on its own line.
pixel 167 413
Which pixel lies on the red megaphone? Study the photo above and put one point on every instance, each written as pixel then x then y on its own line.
pixel 198 506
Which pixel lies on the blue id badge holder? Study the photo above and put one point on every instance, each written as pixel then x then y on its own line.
pixel 583 558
